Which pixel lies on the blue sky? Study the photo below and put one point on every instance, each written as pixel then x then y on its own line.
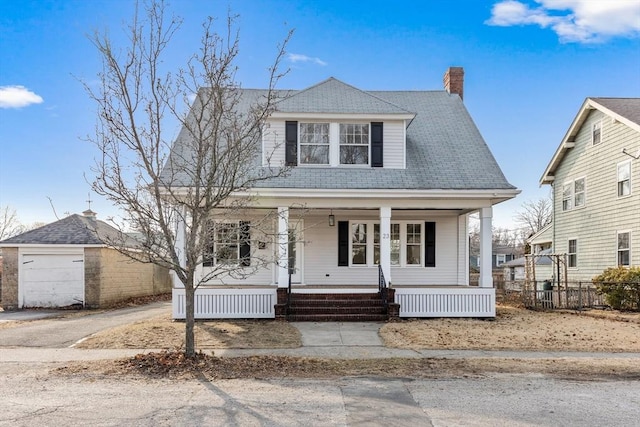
pixel 528 67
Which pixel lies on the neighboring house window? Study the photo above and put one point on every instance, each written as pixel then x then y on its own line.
pixel 624 179
pixel 354 144
pixel 567 197
pixel 596 133
pixel 414 244
pixel 624 249
pixel 578 192
pixel 359 244
pixel 230 244
pixel 573 253
pixel 500 259
pixel 314 143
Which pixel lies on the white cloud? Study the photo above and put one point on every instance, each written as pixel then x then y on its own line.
pixel 17 97
pixel 582 21
pixel 296 57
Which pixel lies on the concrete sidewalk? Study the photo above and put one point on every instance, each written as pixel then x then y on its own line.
pixel 340 340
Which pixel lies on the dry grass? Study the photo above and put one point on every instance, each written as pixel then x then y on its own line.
pixel 519 329
pixel 174 365
pixel 163 333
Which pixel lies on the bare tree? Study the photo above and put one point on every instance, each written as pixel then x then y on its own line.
pixel 534 215
pixel 9 223
pixel 193 182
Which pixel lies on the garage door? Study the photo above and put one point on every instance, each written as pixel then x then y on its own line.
pixel 48 280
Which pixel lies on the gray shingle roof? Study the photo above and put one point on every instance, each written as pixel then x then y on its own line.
pixel 72 230
pixel 626 107
pixel 445 150
pixel 334 96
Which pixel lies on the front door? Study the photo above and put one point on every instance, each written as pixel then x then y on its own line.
pixel 296 248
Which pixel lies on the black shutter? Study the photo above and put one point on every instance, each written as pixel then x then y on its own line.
pixel 376 145
pixel 343 243
pixel 430 244
pixel 245 244
pixel 291 143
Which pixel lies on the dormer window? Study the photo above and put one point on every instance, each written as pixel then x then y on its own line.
pixel 314 143
pixel 354 144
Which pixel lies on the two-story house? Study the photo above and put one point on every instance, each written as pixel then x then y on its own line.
pixel 595 176
pixel 377 178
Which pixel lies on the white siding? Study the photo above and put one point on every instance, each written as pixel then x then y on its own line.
pixel 273 148
pixel 595 225
pixel 394 144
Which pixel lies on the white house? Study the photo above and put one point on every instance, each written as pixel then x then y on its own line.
pixel 378 178
pixel 595 176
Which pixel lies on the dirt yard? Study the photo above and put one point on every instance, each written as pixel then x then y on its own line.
pixel 513 329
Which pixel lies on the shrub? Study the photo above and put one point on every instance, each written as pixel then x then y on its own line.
pixel 620 286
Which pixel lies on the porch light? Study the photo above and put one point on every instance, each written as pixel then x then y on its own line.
pixel 332 219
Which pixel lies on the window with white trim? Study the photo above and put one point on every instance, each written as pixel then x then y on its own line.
pixel 406 242
pixel 578 192
pixel 414 244
pixel 567 197
pixel 624 179
pixel 229 244
pixel 314 143
pixel 500 259
pixel 596 132
pixel 572 253
pixel 574 194
pixel 354 144
pixel 359 244
pixel 624 249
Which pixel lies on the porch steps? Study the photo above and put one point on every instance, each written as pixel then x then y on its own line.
pixel 356 307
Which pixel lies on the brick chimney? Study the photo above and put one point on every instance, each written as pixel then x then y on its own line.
pixel 454 81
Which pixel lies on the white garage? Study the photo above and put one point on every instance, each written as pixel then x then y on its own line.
pixel 51 279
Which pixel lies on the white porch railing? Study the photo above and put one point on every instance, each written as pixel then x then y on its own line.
pixel 216 303
pixel 446 302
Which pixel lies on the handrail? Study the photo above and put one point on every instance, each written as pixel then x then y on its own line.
pixel 289 293
pixel 382 287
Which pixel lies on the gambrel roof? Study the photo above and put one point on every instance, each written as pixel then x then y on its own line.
pixel 444 149
pixel 623 110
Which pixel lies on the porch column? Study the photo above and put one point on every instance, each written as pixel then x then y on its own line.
pixel 385 242
pixel 179 246
pixel 486 238
pixel 283 247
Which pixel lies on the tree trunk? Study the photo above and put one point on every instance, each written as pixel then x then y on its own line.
pixel 189 339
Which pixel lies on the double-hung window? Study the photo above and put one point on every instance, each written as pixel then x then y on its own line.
pixel 624 179
pixel 596 133
pixel 354 144
pixel 414 244
pixel 394 242
pixel 228 244
pixel 624 249
pixel 314 143
pixel 359 244
pixel 578 192
pixel 572 253
pixel 567 197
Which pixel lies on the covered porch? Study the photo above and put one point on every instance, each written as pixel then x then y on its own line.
pixel 334 246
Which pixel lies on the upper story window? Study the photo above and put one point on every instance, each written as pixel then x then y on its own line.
pixel 596 133
pixel 354 144
pixel 500 259
pixel 314 143
pixel 573 194
pixel 624 249
pixel 624 179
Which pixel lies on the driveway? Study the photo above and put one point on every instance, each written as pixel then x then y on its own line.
pixel 60 332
